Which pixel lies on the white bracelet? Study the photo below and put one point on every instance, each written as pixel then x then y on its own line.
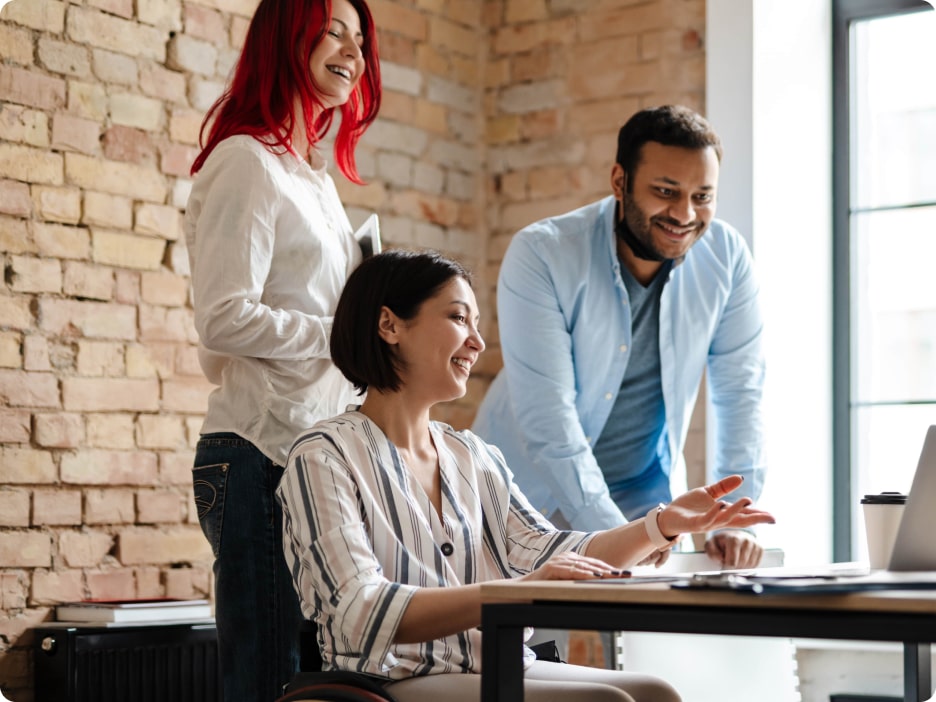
pixel 657 538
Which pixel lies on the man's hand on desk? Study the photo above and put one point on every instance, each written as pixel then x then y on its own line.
pixel 734 548
pixel 657 558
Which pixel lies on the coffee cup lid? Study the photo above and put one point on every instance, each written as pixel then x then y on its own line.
pixel 884 498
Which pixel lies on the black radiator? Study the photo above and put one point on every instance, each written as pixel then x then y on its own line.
pixel 147 663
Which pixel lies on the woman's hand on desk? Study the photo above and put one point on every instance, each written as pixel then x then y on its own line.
pixel 573 566
pixel 703 509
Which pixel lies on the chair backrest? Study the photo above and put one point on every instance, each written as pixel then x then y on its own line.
pixel 310 657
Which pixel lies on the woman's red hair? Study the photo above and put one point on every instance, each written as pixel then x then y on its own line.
pixel 274 67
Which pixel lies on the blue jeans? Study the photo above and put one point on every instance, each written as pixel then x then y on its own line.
pixel 256 608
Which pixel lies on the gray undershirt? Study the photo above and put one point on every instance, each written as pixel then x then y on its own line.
pixel 632 450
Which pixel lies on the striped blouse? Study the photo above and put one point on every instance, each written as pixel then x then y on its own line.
pixel 361 536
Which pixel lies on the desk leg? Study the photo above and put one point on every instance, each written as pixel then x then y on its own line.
pixel 501 659
pixel 918 685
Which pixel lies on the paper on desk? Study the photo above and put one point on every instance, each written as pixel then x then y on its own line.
pixel 815 584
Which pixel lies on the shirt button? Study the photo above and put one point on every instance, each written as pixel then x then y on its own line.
pixel 608 395
pixel 623 348
pixel 447 549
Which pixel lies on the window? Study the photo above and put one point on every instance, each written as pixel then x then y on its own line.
pixel 884 240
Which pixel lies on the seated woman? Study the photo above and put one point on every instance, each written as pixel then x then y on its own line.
pixel 392 520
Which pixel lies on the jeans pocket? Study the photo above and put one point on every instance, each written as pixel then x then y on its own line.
pixel 208 483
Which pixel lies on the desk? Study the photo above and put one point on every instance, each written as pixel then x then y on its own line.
pixel 908 617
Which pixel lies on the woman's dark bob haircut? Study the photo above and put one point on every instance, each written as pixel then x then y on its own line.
pixel 399 280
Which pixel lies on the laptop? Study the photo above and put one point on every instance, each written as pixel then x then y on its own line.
pixel 915 545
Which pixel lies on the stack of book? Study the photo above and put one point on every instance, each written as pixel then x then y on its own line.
pixel 114 612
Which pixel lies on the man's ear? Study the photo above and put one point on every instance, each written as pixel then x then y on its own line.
pixel 618 182
pixel 388 325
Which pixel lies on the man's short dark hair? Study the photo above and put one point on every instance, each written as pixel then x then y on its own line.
pixel 400 280
pixel 670 125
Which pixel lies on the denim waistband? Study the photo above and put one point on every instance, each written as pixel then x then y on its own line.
pixel 223 438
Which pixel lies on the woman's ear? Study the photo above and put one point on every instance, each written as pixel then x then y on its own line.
pixel 388 325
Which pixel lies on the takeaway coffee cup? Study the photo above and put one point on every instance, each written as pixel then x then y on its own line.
pixel 882 515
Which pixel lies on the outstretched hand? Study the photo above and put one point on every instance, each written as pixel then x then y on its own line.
pixel 703 509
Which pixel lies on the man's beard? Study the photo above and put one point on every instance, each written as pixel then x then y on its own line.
pixel 642 247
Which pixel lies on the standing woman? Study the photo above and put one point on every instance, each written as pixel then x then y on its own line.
pixel 270 248
pixel 393 520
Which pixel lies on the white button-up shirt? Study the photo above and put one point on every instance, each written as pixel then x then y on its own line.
pixel 270 248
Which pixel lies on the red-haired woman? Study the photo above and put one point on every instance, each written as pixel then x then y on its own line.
pixel 270 248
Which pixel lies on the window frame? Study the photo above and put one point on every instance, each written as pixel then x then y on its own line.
pixel 844 14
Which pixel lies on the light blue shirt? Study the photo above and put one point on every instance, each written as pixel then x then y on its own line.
pixel 565 332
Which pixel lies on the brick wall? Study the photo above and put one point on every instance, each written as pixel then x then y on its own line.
pixel 495 113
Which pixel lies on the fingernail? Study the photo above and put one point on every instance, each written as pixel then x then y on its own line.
pixel 597 574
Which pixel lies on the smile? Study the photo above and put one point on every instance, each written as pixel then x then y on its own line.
pixel 676 231
pixel 340 71
pixel 463 364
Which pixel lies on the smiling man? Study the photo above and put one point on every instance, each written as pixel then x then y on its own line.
pixel 609 316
